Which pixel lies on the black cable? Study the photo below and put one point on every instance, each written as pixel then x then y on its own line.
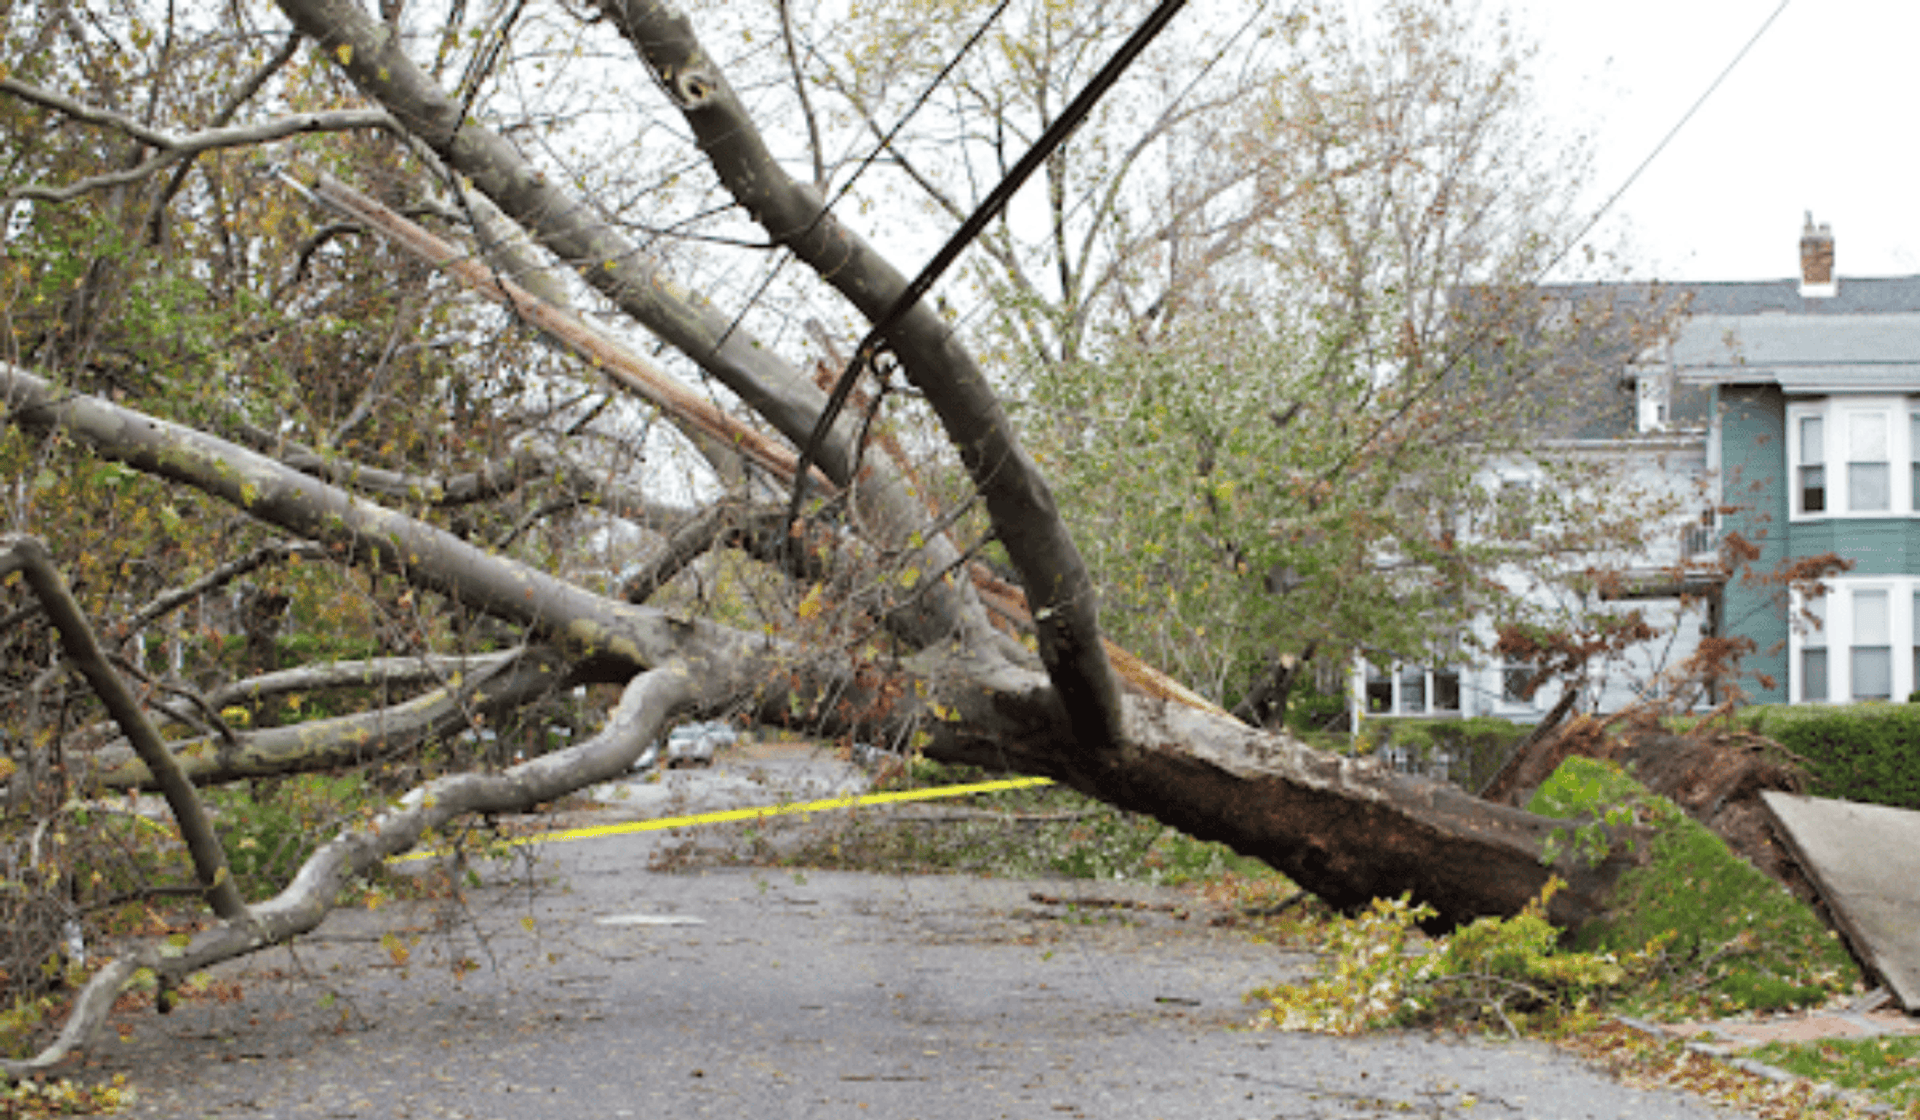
pixel 939 79
pixel 1055 135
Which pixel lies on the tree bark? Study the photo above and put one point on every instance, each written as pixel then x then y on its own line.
pixel 1025 518
pixel 1347 830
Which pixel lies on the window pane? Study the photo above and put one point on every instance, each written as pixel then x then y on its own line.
pixel 1513 683
pixel 1870 618
pixel 1813 489
pixel 1413 689
pixel 1813 674
pixel 1379 689
pixel 1868 487
pixel 1816 612
pixel 1867 436
pixel 1446 690
pixel 1913 453
pixel 1813 448
pixel 1872 673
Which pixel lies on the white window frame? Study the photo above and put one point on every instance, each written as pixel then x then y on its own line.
pixel 1837 416
pixel 1836 636
pixel 1395 673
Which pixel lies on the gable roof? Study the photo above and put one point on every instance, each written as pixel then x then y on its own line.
pixel 1876 295
pixel 1815 353
pixel 1863 338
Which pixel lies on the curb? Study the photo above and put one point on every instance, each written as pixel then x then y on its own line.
pixel 1730 1054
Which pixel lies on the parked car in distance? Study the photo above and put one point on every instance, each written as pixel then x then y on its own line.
pixel 690 744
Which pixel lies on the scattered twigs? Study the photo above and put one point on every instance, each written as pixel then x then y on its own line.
pixel 642 712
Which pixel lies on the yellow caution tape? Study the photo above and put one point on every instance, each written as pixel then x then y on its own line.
pixel 724 815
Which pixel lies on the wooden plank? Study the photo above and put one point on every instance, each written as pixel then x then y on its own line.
pixel 1865 862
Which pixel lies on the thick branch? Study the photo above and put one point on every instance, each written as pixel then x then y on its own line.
pixel 379 672
pixel 1024 515
pixel 31 558
pixel 640 716
pixel 487 482
pixel 325 744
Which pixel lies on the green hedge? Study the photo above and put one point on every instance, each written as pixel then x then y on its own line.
pixel 1856 752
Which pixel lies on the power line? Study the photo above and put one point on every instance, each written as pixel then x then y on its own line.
pixel 1665 140
pixel 1055 135
pixel 1481 333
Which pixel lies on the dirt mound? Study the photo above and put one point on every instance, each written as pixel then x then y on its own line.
pixel 1715 776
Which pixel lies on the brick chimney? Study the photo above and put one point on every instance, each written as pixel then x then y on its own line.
pixel 1816 260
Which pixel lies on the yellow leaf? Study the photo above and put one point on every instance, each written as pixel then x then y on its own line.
pixel 344 52
pixel 811 605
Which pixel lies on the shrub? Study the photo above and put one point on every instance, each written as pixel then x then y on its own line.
pixel 1377 971
pixel 1858 752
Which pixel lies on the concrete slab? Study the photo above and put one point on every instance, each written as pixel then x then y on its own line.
pixel 1865 862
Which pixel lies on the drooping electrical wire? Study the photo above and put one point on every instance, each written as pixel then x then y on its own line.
pixel 1480 334
pixel 1056 134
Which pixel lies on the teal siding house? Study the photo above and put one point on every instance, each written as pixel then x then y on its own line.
pixel 1812 395
pixel 1783 412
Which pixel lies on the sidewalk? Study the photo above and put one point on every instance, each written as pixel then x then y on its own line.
pixel 1732 1036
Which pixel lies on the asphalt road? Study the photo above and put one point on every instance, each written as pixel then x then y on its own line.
pixel 596 987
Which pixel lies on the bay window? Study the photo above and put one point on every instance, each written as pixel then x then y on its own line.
pixel 1842 453
pixel 1844 647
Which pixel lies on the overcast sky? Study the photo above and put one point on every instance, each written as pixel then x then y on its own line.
pixel 1823 115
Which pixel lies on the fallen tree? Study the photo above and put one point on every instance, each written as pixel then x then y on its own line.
pixel 885 620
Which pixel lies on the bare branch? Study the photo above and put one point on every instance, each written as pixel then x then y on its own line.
pixel 381 672
pixel 174 148
pixel 235 136
pixel 30 557
pixel 640 716
pixel 326 744
pixel 493 480
pixel 1024 515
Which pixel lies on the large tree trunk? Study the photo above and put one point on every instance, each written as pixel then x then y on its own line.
pixel 1348 830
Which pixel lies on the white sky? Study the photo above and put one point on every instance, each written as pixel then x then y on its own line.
pixel 1823 115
